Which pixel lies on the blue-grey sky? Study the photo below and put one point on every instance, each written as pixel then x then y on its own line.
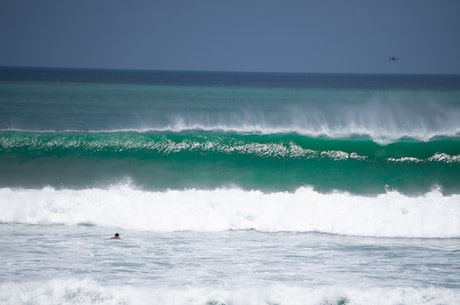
pixel 345 36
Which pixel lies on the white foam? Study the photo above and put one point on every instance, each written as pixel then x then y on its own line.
pixel 443 157
pixel 391 214
pixel 74 291
pixel 405 159
pixel 438 157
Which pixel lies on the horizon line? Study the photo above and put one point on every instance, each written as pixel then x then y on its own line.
pixel 218 71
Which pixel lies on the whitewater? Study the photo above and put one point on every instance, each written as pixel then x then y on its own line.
pixel 228 188
pixel 387 215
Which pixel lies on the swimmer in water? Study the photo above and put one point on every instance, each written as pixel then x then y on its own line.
pixel 116 236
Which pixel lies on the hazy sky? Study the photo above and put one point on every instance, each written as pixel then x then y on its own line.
pixel 351 36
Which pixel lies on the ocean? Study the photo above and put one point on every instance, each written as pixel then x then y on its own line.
pixel 228 188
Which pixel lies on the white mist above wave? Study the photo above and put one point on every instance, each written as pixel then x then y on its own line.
pixel 391 214
pixel 383 117
pixel 73 291
pixel 376 133
pixel 379 133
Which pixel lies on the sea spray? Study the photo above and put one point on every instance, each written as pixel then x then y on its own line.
pixel 377 106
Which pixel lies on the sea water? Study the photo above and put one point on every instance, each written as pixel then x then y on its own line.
pixel 228 188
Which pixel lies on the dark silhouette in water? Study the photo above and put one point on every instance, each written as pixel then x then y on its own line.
pixel 116 236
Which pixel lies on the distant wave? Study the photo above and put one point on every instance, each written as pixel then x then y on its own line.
pixel 391 214
pixel 286 145
pixel 383 115
pixel 382 137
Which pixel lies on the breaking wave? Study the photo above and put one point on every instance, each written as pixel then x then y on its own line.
pixel 392 214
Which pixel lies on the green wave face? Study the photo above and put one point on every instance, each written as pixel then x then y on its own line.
pixel 207 159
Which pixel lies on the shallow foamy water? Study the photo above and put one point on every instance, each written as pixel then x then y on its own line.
pixel 59 264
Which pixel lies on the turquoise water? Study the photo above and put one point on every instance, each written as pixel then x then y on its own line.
pixel 228 188
pixel 207 160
